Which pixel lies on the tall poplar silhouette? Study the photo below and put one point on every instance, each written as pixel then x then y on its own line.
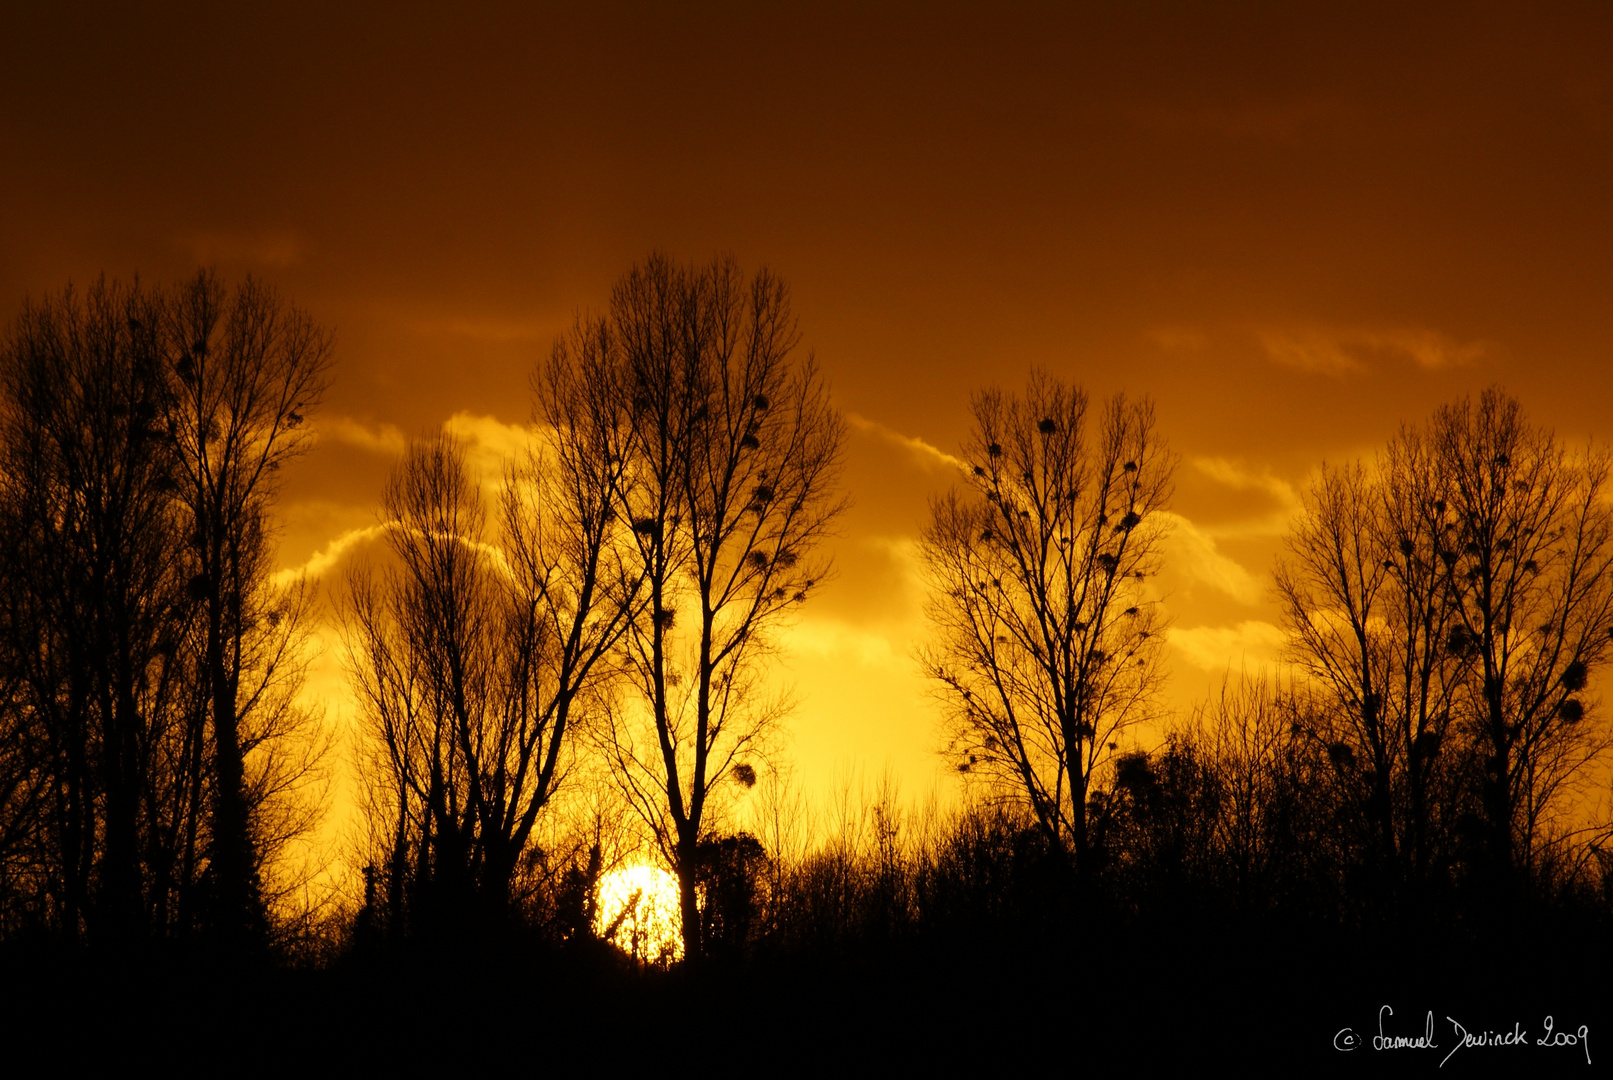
pixel 246 369
pixel 91 593
pixel 1454 605
pixel 1047 633
pixel 477 658
pixel 147 654
pixel 731 456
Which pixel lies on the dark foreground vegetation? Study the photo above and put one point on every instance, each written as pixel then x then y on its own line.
pixel 1207 935
pixel 1413 820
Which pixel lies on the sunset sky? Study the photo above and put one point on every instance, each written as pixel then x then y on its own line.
pixel 1292 229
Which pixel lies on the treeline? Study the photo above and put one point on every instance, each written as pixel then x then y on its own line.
pixel 597 634
pixel 1243 835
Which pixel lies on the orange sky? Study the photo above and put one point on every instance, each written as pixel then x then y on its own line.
pixel 1294 229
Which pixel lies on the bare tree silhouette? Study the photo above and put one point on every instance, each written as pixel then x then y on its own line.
pixel 1048 637
pixel 134 508
pixel 1453 605
pixel 92 588
pixel 731 453
pixel 1368 602
pixel 245 370
pixel 477 658
pixel 1532 552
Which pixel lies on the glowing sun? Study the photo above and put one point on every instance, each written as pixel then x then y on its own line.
pixel 638 913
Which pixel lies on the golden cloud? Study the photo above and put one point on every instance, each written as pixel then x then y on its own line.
pixel 1253 642
pixel 927 456
pixel 1339 351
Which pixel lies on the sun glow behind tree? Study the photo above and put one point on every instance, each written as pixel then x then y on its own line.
pixel 638 913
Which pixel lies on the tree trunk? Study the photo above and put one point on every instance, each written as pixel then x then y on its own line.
pixel 238 917
pixel 688 901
